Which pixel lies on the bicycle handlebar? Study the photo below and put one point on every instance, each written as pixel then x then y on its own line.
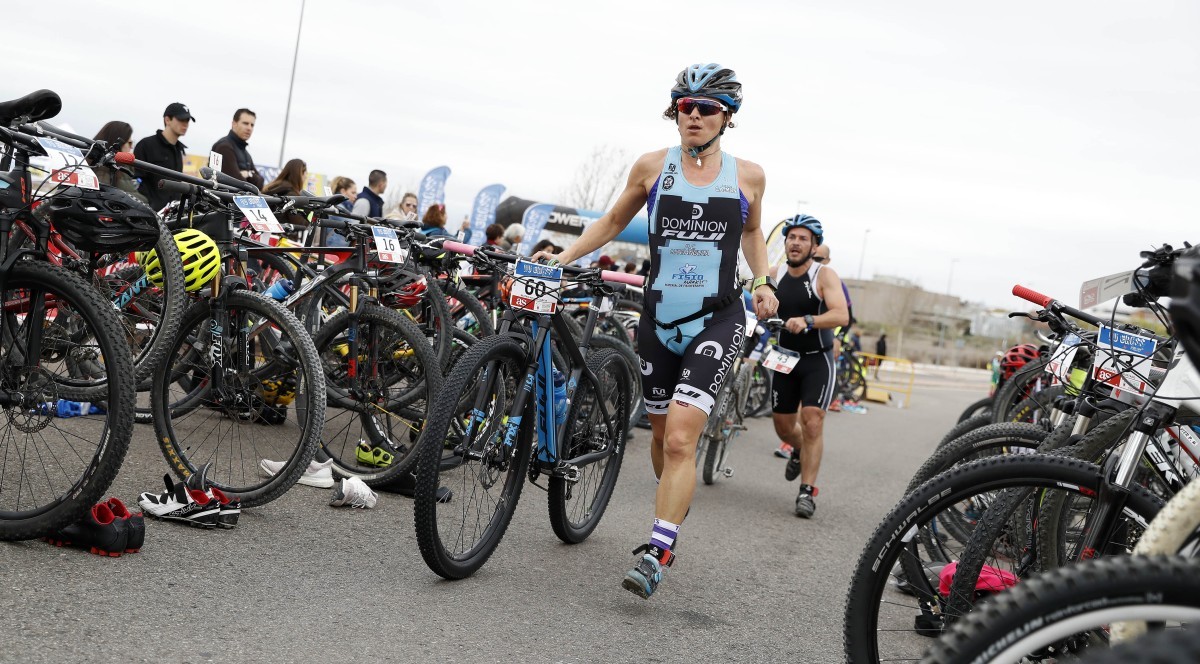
pixel 207 173
pixel 1054 305
pixel 606 275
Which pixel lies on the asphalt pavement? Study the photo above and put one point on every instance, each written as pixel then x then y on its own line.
pixel 300 581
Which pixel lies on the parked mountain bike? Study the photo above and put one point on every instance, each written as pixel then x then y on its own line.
pixel 57 461
pixel 504 392
pixel 241 361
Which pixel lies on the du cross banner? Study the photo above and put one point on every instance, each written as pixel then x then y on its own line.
pixel 534 221
pixel 483 212
pixel 433 189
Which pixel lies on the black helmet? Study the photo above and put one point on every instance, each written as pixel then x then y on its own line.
pixel 106 221
pixel 710 80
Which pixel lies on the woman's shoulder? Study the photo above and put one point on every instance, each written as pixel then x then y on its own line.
pixel 750 172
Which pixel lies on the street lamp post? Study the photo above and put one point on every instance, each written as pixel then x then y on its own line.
pixel 863 256
pixel 287 112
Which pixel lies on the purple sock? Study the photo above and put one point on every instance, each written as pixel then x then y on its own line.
pixel 663 534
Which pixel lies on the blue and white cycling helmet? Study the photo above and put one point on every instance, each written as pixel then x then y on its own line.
pixel 710 80
pixel 805 221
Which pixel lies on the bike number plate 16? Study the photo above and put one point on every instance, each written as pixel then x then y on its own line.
pixel 258 214
pixel 387 245
pixel 535 287
pixel 780 360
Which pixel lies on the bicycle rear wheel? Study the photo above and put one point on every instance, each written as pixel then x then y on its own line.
pixel 466 447
pixel 577 505
pixel 383 408
pixel 271 405
pixel 52 468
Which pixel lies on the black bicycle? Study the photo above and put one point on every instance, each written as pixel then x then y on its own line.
pixel 62 437
pixel 500 394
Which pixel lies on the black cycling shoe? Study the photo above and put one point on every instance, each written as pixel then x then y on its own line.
pixel 793 466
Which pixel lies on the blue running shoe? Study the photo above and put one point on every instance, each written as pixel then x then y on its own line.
pixel 644 578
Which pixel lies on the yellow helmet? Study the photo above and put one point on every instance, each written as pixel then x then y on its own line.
pixel 201 260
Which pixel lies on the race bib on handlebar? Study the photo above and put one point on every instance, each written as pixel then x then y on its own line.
pixel 258 213
pixel 780 360
pixel 1062 357
pixel 535 287
pixel 67 166
pixel 1123 362
pixel 387 245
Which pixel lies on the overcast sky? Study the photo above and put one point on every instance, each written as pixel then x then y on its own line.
pixel 1040 142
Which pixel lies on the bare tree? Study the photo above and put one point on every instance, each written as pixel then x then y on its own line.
pixel 598 180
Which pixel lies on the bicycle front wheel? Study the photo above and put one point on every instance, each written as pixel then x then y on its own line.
pixel 58 455
pixel 1067 612
pixel 270 404
pixel 474 445
pixel 595 424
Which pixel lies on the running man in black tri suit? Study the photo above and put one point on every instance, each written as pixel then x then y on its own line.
pixel 812 304
pixel 704 205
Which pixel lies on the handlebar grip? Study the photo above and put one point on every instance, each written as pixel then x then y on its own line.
pixel 206 172
pixel 336 224
pixel 125 158
pixel 1031 295
pixel 458 247
pixel 622 277
pixel 173 187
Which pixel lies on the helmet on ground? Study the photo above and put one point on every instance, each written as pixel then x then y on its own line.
pixel 709 80
pixel 201 260
pixel 805 221
pixel 1017 357
pixel 105 221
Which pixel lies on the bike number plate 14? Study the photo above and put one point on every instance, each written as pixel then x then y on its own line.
pixel 780 360
pixel 258 213
pixel 535 287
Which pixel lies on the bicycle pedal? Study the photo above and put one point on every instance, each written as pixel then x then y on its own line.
pixel 728 472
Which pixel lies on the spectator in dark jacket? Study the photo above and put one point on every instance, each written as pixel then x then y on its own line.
pixel 164 149
pixel 493 234
pixel 236 162
pixel 370 199
pixel 119 134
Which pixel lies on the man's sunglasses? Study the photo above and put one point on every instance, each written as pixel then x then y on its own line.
pixel 820 259
pixel 706 107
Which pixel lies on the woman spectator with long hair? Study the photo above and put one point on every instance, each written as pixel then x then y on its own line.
pixel 119 134
pixel 290 182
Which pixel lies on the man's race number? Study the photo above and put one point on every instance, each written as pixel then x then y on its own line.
pixel 535 287
pixel 780 360
pixel 258 214
pixel 387 246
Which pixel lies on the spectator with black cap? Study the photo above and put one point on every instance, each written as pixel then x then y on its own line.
pixel 164 149
pixel 236 161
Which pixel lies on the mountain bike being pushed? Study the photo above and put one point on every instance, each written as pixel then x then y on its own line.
pixel 532 379
pixel 725 422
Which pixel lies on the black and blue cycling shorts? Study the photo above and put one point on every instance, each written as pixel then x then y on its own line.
pixel 694 376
